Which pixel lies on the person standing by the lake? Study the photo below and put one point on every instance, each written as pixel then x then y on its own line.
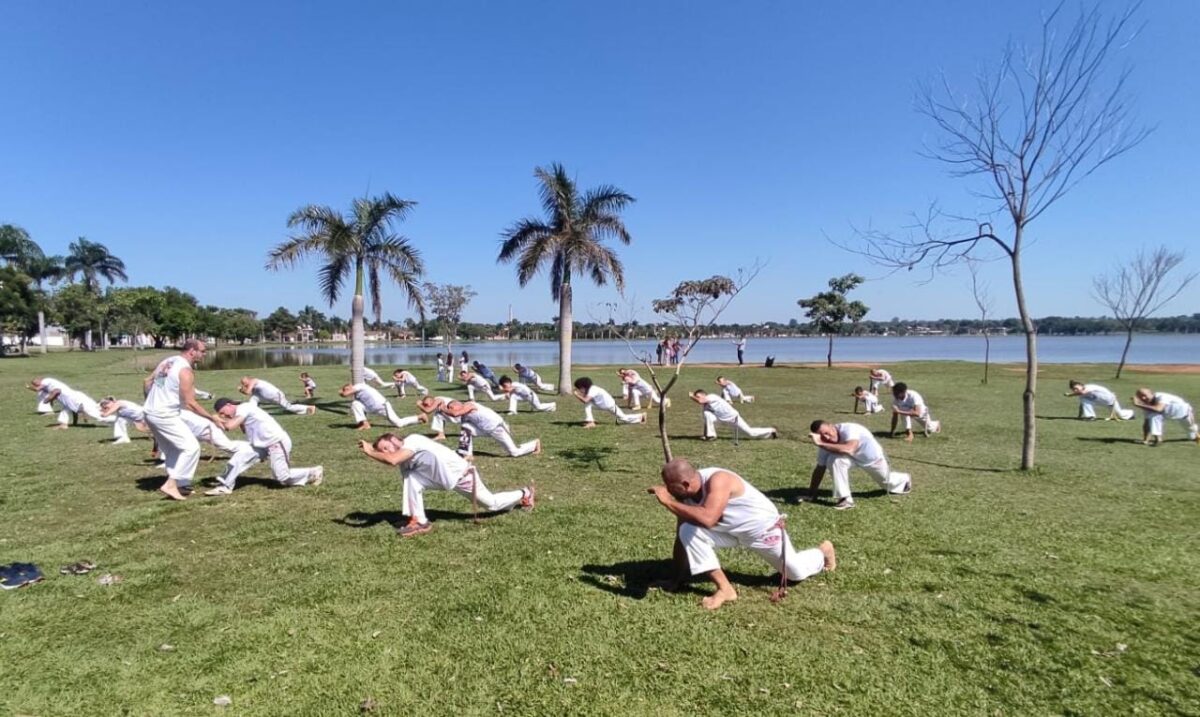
pixel 1157 407
pixel 441 368
pixel 741 350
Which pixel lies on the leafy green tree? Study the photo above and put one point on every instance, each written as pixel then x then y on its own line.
pixel 830 311
pixel 77 311
pixel 179 317
pixel 446 303
pixel 567 242
pixel 240 325
pixel 134 310
pixel 280 323
pixel 361 244
pixel 18 304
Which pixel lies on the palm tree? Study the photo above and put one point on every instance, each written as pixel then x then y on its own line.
pixel 362 242
pixel 92 262
pixel 41 269
pixel 568 242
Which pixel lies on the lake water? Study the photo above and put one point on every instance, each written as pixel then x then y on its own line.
pixel 1149 348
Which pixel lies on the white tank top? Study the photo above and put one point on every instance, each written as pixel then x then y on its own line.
pixel 750 514
pixel 163 397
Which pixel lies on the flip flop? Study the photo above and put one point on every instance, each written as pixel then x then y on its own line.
pixel 83 567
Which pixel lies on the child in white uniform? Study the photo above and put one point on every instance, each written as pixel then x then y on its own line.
pixel 869 401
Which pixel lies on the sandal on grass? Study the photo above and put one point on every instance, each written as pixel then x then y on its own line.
pixel 83 567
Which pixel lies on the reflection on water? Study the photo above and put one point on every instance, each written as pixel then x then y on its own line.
pixel 1150 348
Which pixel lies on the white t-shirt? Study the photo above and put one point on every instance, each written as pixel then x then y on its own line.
pixel 370 398
pixel 1173 406
pixel 750 514
pixel 600 398
pixel 130 411
pixel 1099 394
pixel 478 382
pixel 163 397
pixel 49 385
pixel 483 419
pixel 720 408
pixel 266 390
pixel 912 401
pixel 370 375
pixel 432 461
pixel 72 400
pixel 261 429
pixel 522 392
pixel 869 451
pixel 732 389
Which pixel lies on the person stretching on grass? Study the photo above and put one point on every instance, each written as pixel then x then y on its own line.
pixel 718 410
pixel 477 383
pixel 843 445
pixel 264 391
pixel 1157 407
pixel 879 377
pixel 369 400
pixel 265 441
pixel 43 387
pixel 127 413
pixel 592 395
pixel 427 465
pixel 520 392
pixel 731 392
pixel 1091 394
pixel 529 377
pixel 433 410
pixel 637 388
pixel 168 390
pixel 869 401
pixel 310 386
pixel 75 402
pixel 910 405
pixel 402 378
pixel 370 376
pixel 483 421
pixel 483 370
pixel 717 508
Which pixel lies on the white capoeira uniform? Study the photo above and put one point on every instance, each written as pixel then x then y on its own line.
pixel 530 377
pixel 179 448
pixel 479 383
pixel 201 394
pixel 750 521
pixel 74 401
pixel 369 400
pixel 265 441
pixel 437 419
pixel 407 379
pixel 1094 394
pixel 883 379
pixel 521 392
pixel 483 421
pixel 369 376
pixel 127 412
pixel 49 386
pixel 718 410
pixel 603 400
pixel 269 392
pixel 441 370
pixel 732 392
pixel 208 432
pixel 868 456
pixel 310 384
pixel 436 467
pixel 871 402
pixel 913 402
pixel 1174 408
pixel 640 388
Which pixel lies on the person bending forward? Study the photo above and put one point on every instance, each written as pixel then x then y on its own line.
pixel 369 400
pixel 718 410
pixel 265 441
pixel 842 445
pixel 259 391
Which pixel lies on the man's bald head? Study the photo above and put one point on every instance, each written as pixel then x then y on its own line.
pixel 681 478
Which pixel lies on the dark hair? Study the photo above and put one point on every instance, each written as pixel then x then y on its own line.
pixel 223 402
pixel 386 436
pixel 899 388
pixel 859 388
pixel 518 366
pixel 190 345
pixel 815 425
pixel 504 380
pixel 720 377
pixel 1073 383
pixel 699 392
pixel 583 383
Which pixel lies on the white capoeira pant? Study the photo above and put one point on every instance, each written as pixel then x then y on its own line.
pixel 732 392
pixel 718 410
pixel 529 377
pixel 914 402
pixel 437 420
pixel 884 379
pixel 521 392
pixel 1094 395
pixel 176 443
pixel 127 412
pixel 871 403
pixel 1175 409
pixel 436 467
pixel 603 400
pixel 208 432
pixel 410 380
pixel 44 406
pixel 79 402
pixel 278 457
pixel 642 389
pixel 368 400
pixel 370 376
pixel 202 394
pixel 750 521
pixel 479 383
pixel 483 421
pixel 268 392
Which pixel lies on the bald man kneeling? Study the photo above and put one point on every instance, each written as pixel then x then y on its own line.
pixel 717 508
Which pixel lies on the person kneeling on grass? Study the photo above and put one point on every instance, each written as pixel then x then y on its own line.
pixel 520 392
pixel 592 395
pixel 369 400
pixel 1091 394
pixel 731 392
pixel 910 405
pixel 718 410
pixel 261 391
pixel 869 400
pixel 1157 407
pixel 717 508
pixel 265 440
pixel 428 465
pixel 481 420
pixel 842 445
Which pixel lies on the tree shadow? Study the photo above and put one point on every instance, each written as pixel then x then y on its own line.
pixel 634 578
pixel 586 456
pixel 799 494
pixel 909 459
pixel 1065 418
pixel 396 519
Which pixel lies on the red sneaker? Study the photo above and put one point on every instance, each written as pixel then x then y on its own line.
pixel 414 528
pixel 528 500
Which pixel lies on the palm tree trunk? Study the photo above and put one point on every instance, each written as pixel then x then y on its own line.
pixel 565 327
pixel 87 340
pixel 1125 351
pixel 42 329
pixel 357 348
pixel 1029 397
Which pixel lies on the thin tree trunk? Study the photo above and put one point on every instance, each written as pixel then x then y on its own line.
pixel 42 329
pixel 987 354
pixel 1125 351
pixel 565 329
pixel 357 348
pixel 1029 397
pixel 87 340
pixel 829 354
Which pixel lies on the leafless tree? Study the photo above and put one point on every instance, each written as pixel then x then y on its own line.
pixel 1037 124
pixel 982 294
pixel 1136 290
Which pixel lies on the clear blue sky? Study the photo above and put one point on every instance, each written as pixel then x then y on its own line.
pixel 181 135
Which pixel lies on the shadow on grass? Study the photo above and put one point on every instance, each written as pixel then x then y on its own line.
pixel 344 425
pixel 793 496
pixel 586 456
pixel 1115 439
pixel 633 578
pixel 394 518
pixel 1064 418
pixel 910 459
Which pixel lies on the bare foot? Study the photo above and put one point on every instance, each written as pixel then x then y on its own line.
pixel 171 490
pixel 364 426
pixel 827 550
pixel 59 427
pixel 719 598
pixel 589 425
pixel 538 450
pixel 440 437
pixel 312 410
pixel 908 437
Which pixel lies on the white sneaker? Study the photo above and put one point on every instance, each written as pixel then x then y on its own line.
pixel 121 441
pixel 219 490
pixel 318 476
pixel 553 408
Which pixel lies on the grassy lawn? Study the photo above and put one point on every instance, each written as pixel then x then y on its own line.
pixel 1072 590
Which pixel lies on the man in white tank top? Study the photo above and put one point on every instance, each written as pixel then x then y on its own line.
pixel 259 391
pixel 844 445
pixel 169 389
pixel 717 508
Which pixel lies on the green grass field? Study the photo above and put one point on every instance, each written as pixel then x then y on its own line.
pixel 1070 590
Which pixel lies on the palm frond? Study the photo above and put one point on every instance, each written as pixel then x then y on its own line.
pixel 332 277
pixel 534 257
pixel 373 289
pixel 559 272
pixel 607 225
pixel 517 237
pixel 605 200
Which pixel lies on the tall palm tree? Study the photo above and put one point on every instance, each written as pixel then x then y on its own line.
pixel 361 242
pixel 568 242
pixel 92 261
pixel 19 250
